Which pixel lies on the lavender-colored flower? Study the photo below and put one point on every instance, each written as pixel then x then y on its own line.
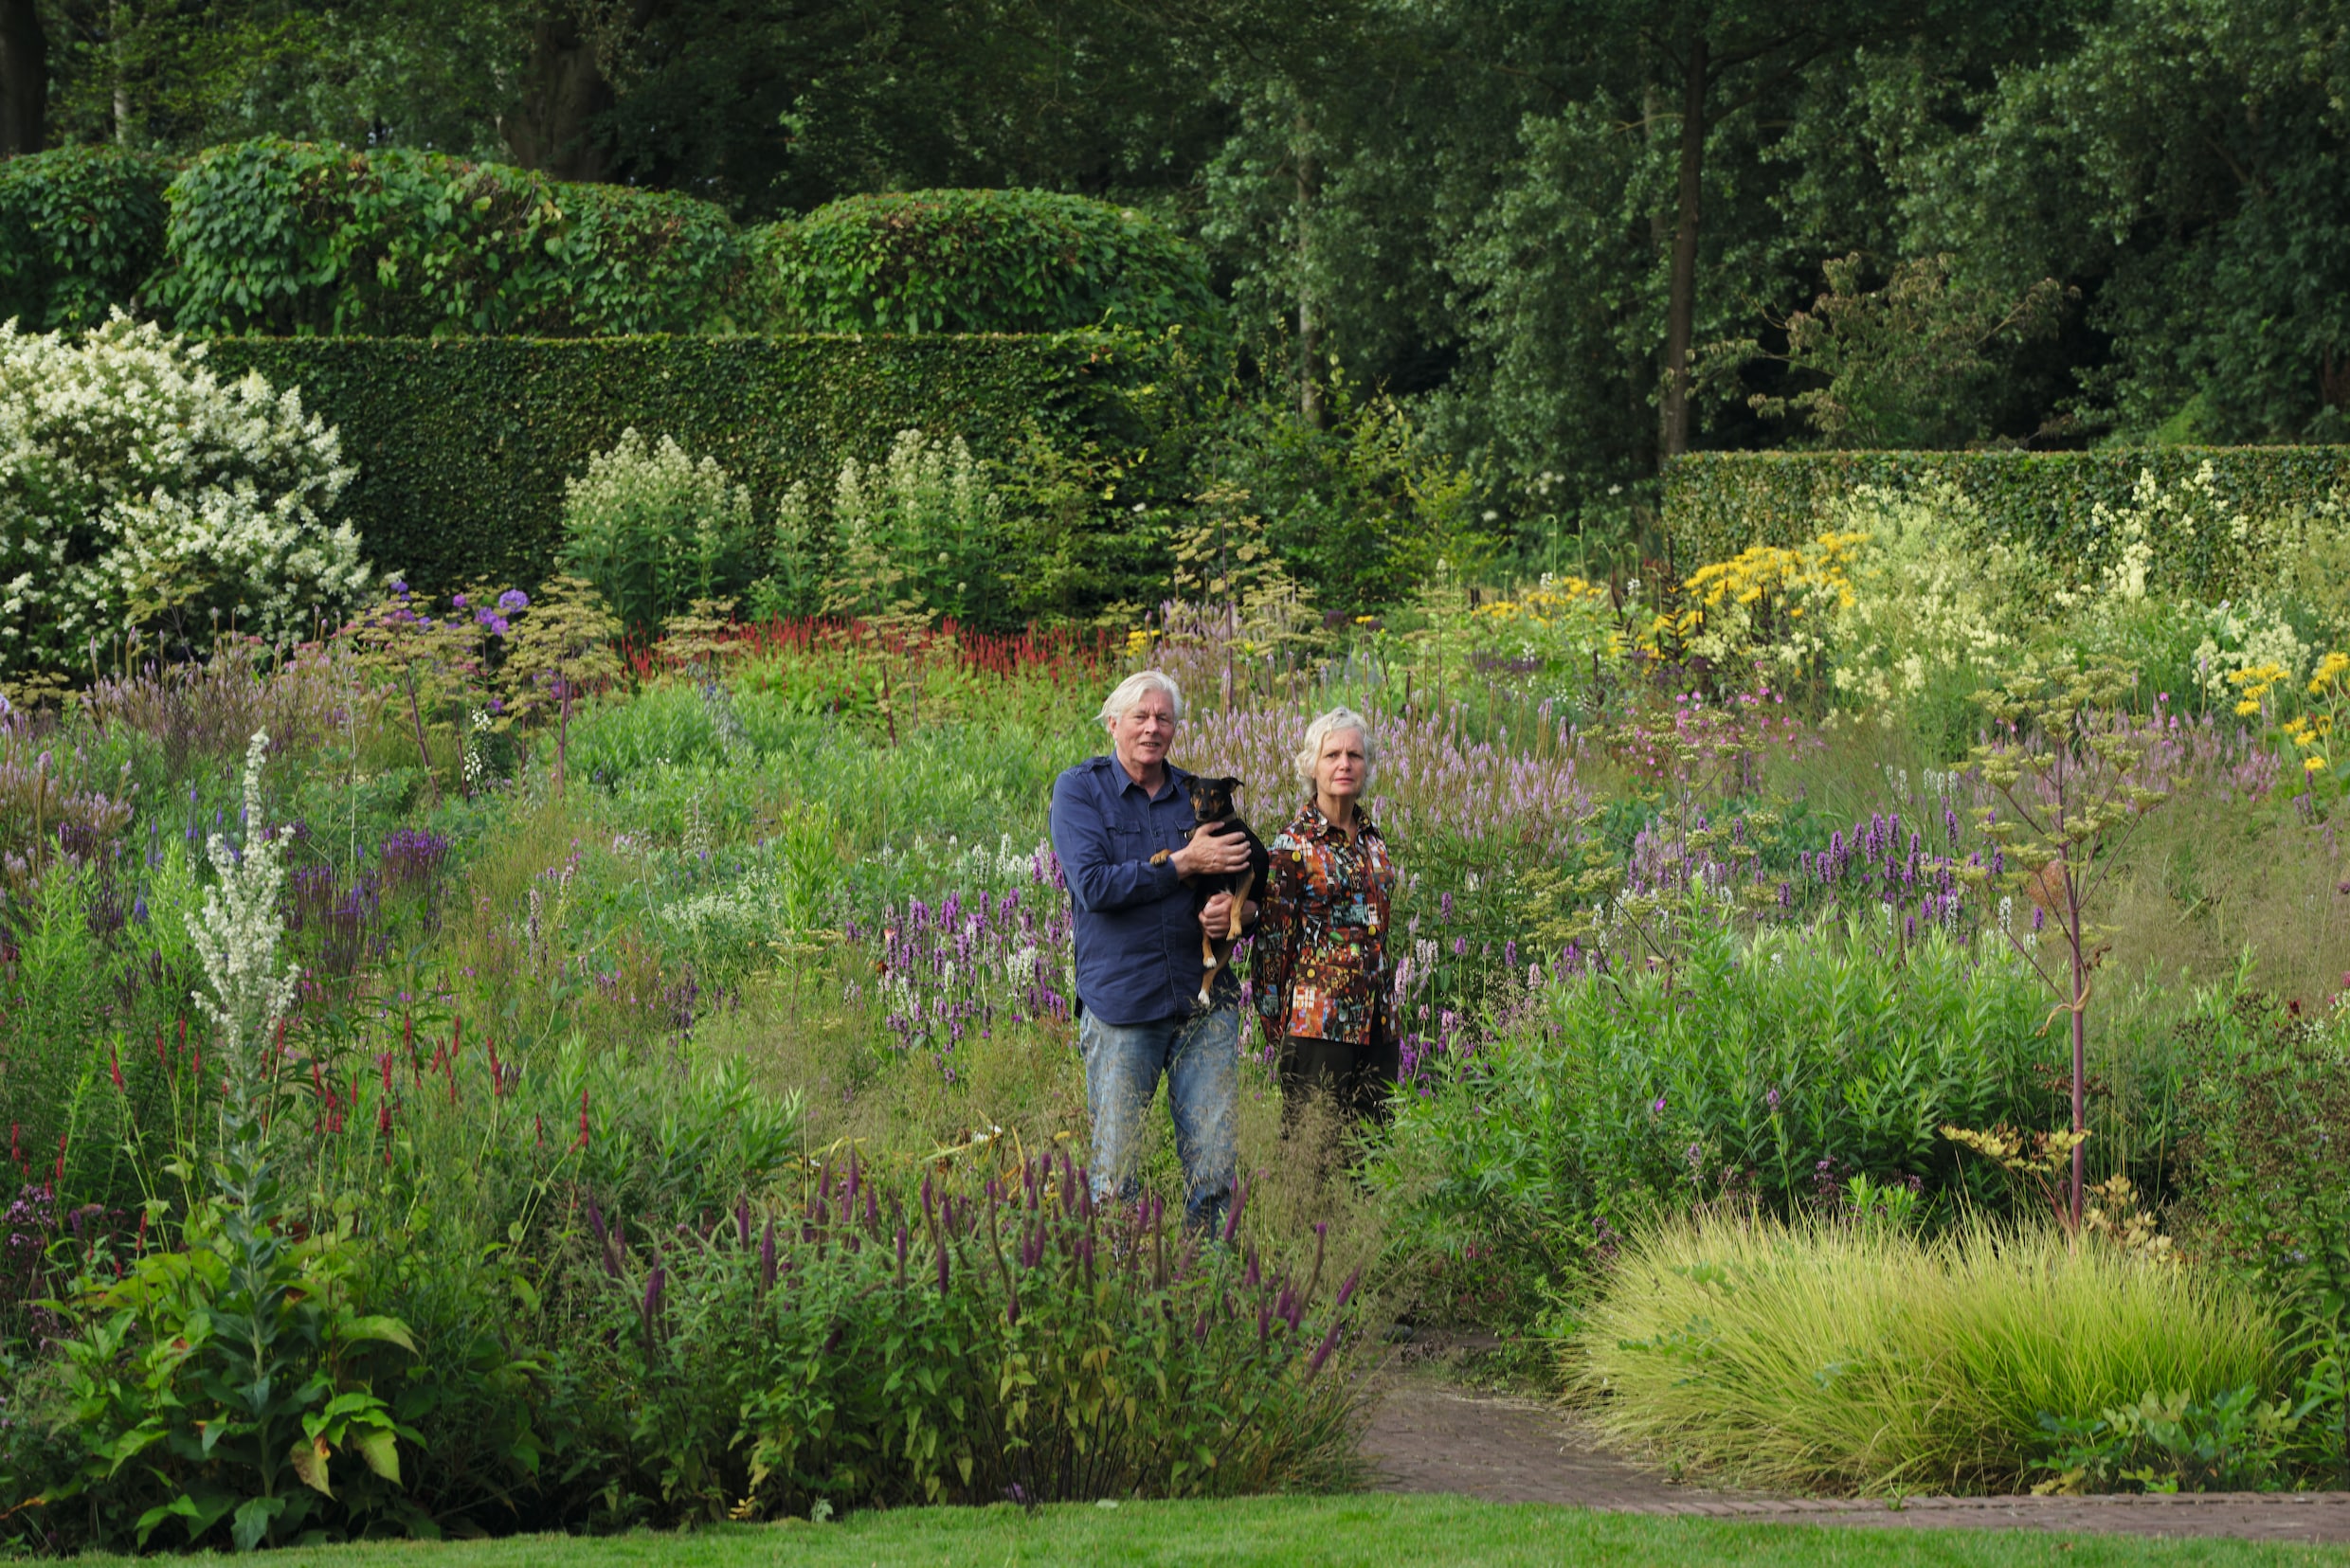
pixel 458 600
pixel 512 600
pixel 1657 1108
pixel 2039 917
pixel 1771 1099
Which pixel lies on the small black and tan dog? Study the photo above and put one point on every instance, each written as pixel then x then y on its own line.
pixel 1212 812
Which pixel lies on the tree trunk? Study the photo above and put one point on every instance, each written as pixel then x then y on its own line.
pixel 552 130
pixel 24 78
pixel 1681 297
pixel 1308 324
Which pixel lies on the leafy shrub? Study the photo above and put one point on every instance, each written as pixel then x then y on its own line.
pixel 299 237
pixel 2269 1189
pixel 880 1344
pixel 80 231
pixel 979 262
pixel 139 492
pixel 653 530
pixel 1778 1066
pixel 2231 1442
pixel 1858 1356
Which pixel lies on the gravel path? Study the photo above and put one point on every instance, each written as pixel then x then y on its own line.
pixel 1431 1436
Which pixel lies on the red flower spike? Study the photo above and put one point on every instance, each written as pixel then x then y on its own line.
pixel 114 1065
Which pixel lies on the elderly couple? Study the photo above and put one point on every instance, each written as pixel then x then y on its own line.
pixel 1319 934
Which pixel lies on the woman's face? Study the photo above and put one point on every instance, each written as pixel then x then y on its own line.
pixel 1341 770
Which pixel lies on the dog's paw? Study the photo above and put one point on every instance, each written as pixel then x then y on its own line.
pixel 1163 857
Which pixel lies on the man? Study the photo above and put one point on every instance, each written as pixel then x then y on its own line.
pixel 1137 939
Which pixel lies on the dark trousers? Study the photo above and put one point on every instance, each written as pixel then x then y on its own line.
pixel 1357 1078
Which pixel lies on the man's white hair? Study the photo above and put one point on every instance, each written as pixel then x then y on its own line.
pixel 1321 729
pixel 1129 692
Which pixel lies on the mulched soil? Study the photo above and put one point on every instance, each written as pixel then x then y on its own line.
pixel 1433 1435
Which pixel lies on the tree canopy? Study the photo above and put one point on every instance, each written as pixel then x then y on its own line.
pixel 1574 235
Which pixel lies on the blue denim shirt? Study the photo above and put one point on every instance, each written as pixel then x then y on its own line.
pixel 1137 927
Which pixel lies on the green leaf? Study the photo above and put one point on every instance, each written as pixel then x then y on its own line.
pixel 253 1520
pixel 389 1330
pixel 309 1457
pixel 381 1451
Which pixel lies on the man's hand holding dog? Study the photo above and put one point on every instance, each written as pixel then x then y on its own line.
pixel 1211 854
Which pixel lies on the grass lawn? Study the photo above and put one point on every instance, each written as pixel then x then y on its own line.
pixel 1381 1530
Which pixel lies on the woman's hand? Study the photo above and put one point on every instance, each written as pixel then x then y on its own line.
pixel 1216 915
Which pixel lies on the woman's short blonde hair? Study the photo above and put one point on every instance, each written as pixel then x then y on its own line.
pixel 1322 729
pixel 1129 692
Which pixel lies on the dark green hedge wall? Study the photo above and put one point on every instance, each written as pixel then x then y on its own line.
pixel 464 443
pixel 1718 503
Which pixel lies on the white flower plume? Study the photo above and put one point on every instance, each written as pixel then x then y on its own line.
pixel 238 932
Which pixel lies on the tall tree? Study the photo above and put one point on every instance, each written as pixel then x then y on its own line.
pixel 24 78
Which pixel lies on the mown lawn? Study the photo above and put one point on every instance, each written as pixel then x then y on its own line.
pixel 1380 1531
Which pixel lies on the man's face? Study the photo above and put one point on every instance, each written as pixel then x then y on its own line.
pixel 1142 734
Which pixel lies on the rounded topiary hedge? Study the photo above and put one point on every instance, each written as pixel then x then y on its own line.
pixel 80 230
pixel 293 238
pixel 979 261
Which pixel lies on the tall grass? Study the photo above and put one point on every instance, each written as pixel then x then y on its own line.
pixel 1863 1358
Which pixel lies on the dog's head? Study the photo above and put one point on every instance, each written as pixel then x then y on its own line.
pixel 1211 798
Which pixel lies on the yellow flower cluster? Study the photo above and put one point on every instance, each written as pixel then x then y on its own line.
pixel 2326 679
pixel 1747 577
pixel 1544 603
pixel 2255 683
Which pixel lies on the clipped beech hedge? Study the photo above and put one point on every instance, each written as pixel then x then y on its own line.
pixel 1718 503
pixel 463 445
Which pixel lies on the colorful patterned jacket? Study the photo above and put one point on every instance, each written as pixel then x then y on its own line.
pixel 1320 955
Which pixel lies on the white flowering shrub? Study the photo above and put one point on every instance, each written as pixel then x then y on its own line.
pixel 917 535
pixel 654 529
pixel 139 492
pixel 1930 599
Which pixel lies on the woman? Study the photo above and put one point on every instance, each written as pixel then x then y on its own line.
pixel 1321 973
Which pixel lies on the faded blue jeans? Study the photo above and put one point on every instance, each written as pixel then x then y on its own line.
pixel 1201 1057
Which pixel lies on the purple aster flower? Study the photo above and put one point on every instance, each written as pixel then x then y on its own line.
pixel 512 600
pixel 458 600
pixel 400 586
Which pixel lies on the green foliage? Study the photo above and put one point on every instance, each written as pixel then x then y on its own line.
pixel 2231 1442
pixel 464 448
pixel 1718 503
pixel 80 230
pixel 653 530
pixel 877 1344
pixel 1361 508
pixel 2270 1108
pixel 1861 1356
pixel 218 1383
pixel 1902 365
pixel 980 261
pixel 305 238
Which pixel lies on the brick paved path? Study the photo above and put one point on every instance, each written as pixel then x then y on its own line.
pixel 1433 1437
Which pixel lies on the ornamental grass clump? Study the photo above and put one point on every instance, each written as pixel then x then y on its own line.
pixel 1859 1357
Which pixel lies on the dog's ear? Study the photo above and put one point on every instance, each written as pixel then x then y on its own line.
pixel 1231 783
